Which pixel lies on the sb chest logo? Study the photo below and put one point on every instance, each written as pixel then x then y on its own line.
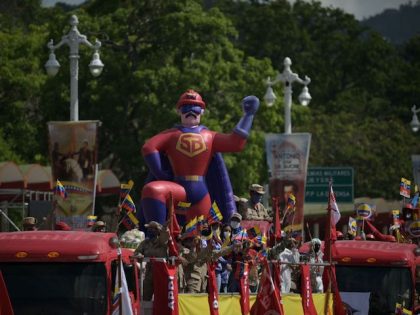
pixel 191 144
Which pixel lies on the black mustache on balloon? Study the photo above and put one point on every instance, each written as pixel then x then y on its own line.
pixel 191 114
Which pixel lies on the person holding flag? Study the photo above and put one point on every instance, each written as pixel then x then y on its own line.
pixel 155 245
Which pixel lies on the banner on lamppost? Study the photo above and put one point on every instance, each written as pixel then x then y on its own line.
pixel 287 158
pixel 73 151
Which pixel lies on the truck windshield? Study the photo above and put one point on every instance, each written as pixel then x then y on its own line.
pixel 56 288
pixel 384 286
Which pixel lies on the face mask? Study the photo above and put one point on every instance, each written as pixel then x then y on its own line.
pixel 256 198
pixel 152 233
pixel 235 224
pixel 226 234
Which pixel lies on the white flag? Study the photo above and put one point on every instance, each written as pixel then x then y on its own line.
pixel 122 293
pixel 334 208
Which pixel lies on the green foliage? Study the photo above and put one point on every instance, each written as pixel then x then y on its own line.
pixel 153 50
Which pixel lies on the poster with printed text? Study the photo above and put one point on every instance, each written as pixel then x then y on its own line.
pixel 287 158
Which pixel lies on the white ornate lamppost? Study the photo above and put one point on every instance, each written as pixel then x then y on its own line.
pixel 74 39
pixel 287 77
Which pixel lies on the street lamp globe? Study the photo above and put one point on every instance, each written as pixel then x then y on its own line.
pixel 52 66
pixel 96 65
pixel 415 124
pixel 269 96
pixel 305 97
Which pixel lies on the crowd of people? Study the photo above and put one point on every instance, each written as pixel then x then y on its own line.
pixel 234 251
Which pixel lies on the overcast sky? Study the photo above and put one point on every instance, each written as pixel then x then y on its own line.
pixel 360 8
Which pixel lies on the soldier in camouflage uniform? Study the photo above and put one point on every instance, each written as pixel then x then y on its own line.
pixel 156 245
pixel 194 264
pixel 253 209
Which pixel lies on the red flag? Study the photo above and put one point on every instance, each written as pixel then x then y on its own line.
pixel 213 295
pixel 330 277
pixel 306 291
pixel 174 229
pixel 277 227
pixel 173 222
pixel 330 232
pixel 268 299
pixel 244 290
pixel 277 275
pixel 5 304
pixel 165 285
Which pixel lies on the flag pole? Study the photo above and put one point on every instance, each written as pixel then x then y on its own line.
pixel 95 182
pixel 309 231
pixel 120 311
pixel 329 226
pixel 121 202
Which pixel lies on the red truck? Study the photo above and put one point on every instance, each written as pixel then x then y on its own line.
pixel 384 273
pixel 59 272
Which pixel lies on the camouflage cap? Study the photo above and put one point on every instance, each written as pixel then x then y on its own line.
pixel 257 188
pixel 153 225
pixel 29 221
pixel 236 216
pixel 99 223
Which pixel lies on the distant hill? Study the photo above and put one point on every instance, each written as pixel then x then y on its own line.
pixel 397 25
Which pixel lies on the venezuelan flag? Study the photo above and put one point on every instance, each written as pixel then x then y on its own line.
pixel 133 218
pixel 254 231
pixel 241 236
pixel 125 189
pixel 60 190
pixel 291 201
pixel 128 204
pixel 191 225
pixel 214 215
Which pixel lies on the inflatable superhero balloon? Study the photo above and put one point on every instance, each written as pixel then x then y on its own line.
pixel 185 164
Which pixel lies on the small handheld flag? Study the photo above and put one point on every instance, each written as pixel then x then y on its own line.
pixel 214 215
pixel 60 190
pixel 125 189
pixel 128 204
pixel 291 201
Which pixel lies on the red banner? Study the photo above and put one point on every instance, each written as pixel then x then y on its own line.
pixel 306 291
pixel 329 276
pixel 165 285
pixel 277 275
pixel 244 290
pixel 268 299
pixel 5 304
pixel 213 295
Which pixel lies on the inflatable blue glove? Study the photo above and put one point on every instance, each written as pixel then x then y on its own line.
pixel 250 106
